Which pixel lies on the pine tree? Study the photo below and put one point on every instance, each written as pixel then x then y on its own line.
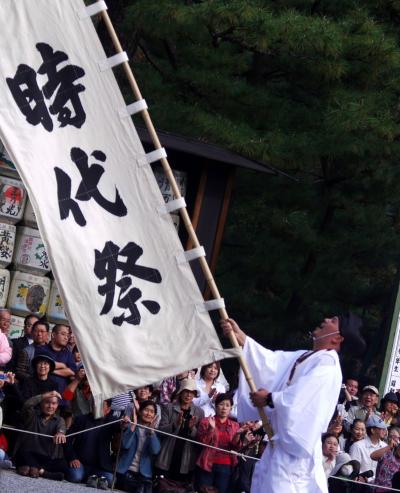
pixel 312 88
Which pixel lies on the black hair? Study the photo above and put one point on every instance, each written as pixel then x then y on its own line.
pixel 41 322
pixel 357 420
pixel 31 315
pixel 351 377
pixel 224 397
pixel 325 436
pixel 57 328
pixel 148 403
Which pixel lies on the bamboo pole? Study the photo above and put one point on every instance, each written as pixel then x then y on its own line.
pixel 183 212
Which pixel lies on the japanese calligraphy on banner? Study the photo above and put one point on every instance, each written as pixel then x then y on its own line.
pixel 392 383
pixel 137 313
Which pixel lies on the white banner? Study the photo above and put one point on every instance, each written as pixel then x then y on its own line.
pixel 136 312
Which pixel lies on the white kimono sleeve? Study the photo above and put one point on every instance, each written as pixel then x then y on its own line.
pixel 268 369
pixel 302 410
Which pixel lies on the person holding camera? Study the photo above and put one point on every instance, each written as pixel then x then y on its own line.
pixel 388 459
pixel 373 442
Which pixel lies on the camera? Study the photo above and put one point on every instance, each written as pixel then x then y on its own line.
pixel 367 474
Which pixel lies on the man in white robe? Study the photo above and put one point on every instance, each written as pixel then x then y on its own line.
pixel 299 391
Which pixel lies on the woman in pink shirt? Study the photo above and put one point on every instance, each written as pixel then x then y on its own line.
pixel 5 350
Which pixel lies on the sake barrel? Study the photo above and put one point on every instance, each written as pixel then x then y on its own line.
pixel 165 187
pixel 12 200
pixel 29 218
pixel 4 286
pixel 7 242
pixel 7 167
pixel 16 327
pixel 55 307
pixel 28 294
pixel 30 253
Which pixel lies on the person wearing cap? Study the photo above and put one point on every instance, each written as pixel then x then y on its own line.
pixel 388 460
pixel 389 409
pixel 57 350
pixel 299 391
pixel 41 381
pixel 367 407
pixel 362 450
pixel 40 337
pixel 37 455
pixel 177 458
pixel 345 468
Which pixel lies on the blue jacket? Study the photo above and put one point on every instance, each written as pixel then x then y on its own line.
pixel 128 450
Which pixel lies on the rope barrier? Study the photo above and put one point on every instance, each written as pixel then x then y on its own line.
pixel 369 485
pixel 231 452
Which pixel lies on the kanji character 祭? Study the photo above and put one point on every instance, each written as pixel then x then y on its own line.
pixel 107 264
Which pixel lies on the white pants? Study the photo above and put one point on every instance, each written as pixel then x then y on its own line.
pixel 280 472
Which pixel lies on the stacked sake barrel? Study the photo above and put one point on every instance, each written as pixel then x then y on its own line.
pixel 166 190
pixel 25 272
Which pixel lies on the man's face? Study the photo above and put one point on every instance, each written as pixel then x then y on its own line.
pixel 5 321
pixel 327 326
pixel 352 386
pixel 61 337
pixel 369 399
pixel 49 406
pixel 40 335
pixel 29 324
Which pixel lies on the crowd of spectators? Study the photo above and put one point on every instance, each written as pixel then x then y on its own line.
pixel 362 442
pixel 44 390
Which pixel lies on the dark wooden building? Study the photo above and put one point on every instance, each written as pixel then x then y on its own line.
pixel 210 172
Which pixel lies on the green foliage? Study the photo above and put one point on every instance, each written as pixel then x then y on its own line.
pixel 312 88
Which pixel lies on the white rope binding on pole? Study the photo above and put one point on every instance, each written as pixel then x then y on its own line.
pixel 91 10
pixel 113 61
